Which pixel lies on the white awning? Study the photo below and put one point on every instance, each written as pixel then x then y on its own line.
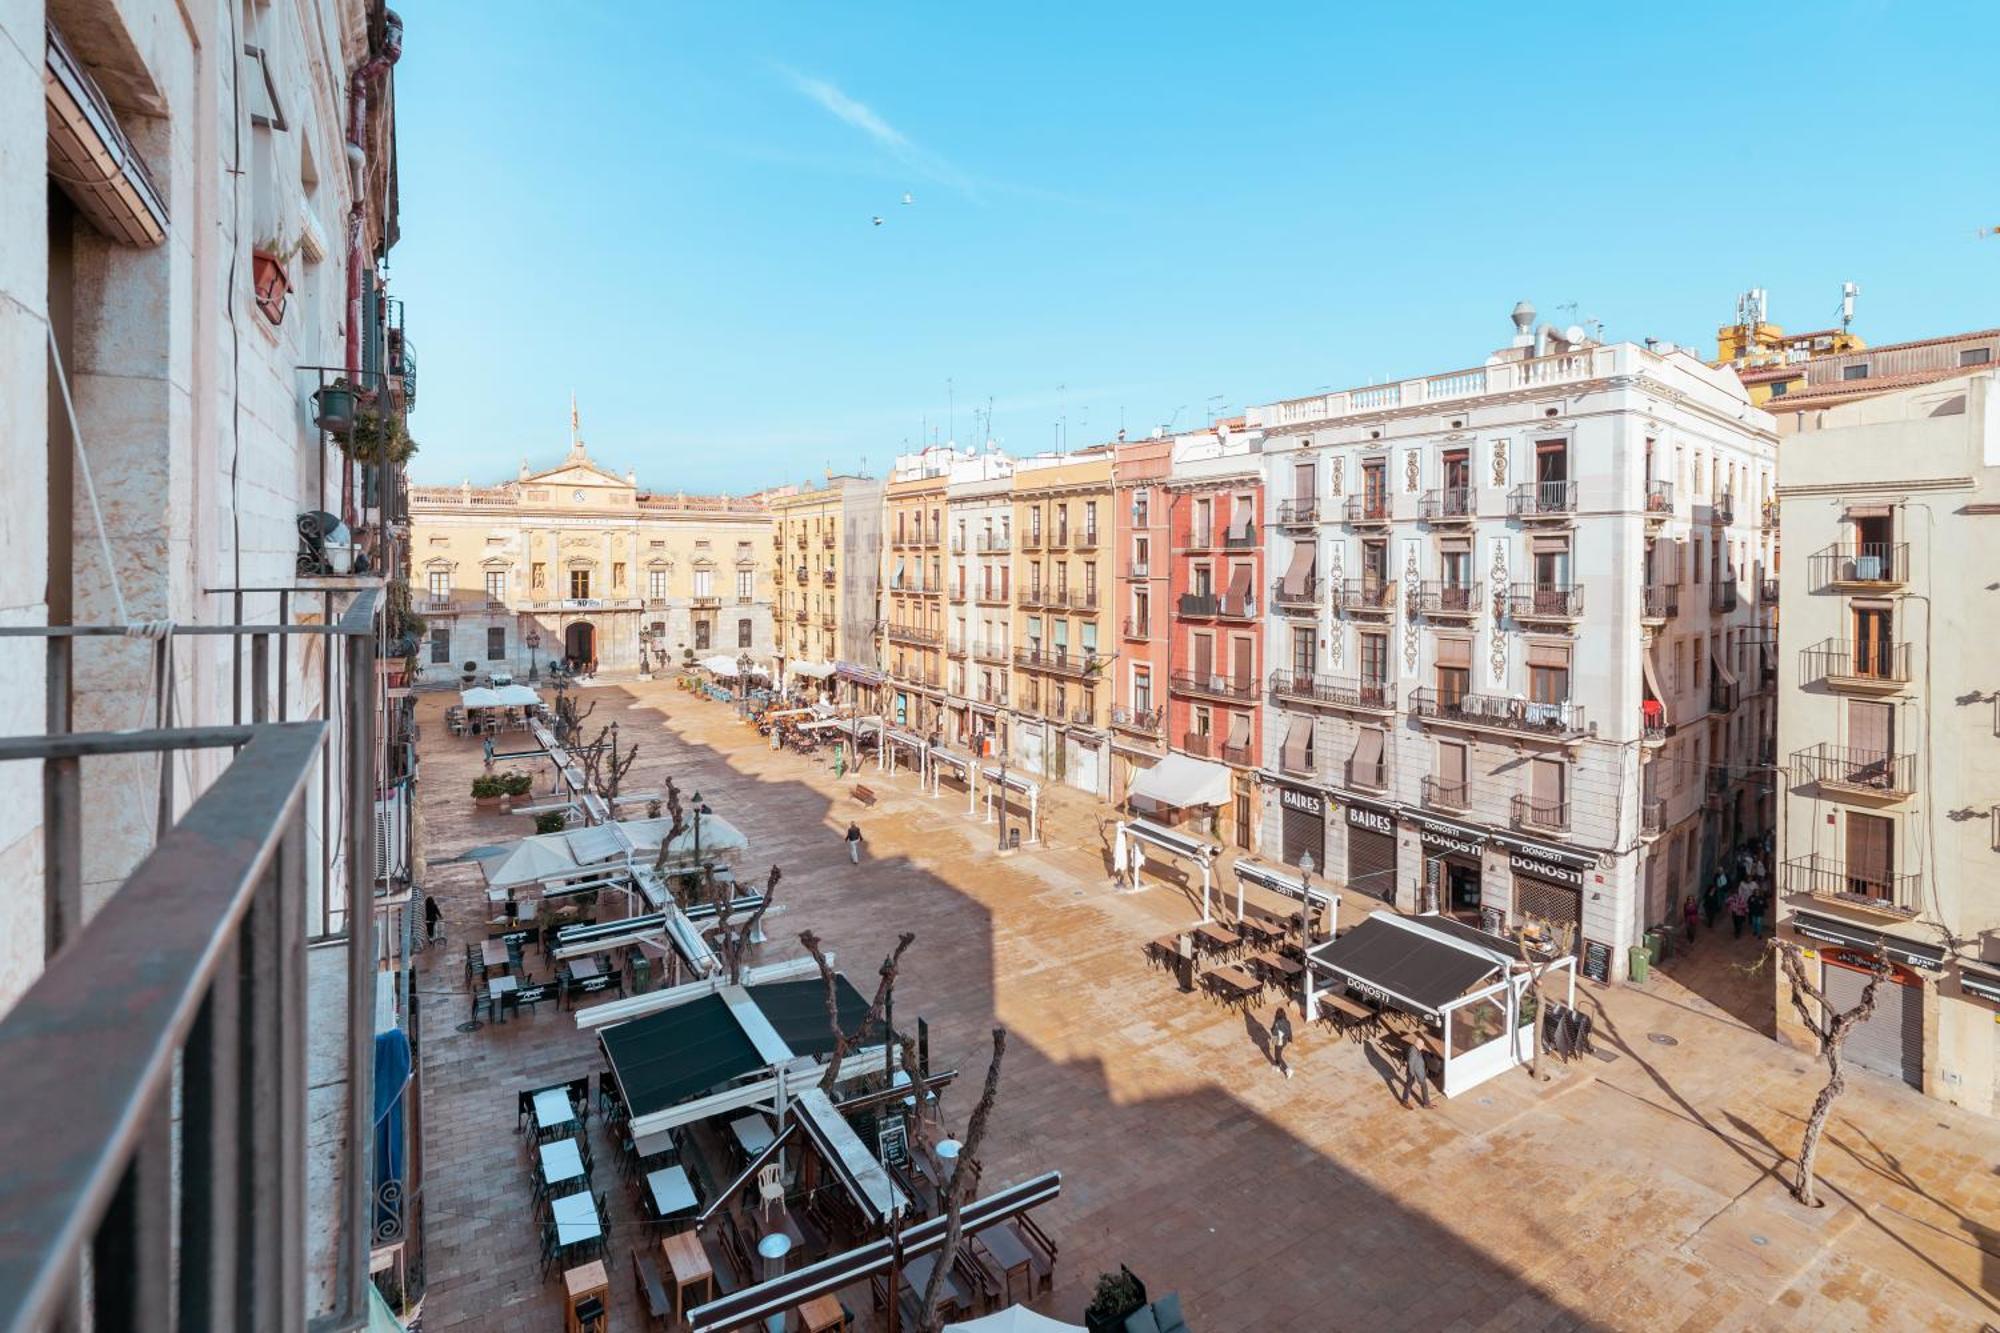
pixel 1178 781
pixel 1013 781
pixel 480 697
pixel 601 843
pixel 717 835
pixel 1170 840
pixel 718 665
pixel 811 670
pixel 516 696
pixel 1300 569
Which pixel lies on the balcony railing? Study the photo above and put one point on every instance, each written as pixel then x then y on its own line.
pixel 1870 566
pixel 1873 665
pixel 1453 504
pixel 996 595
pixel 1366 510
pixel 705 602
pixel 1069 662
pixel 1542 500
pixel 1724 508
pixel 1498 712
pixel 1297 513
pixel 1545 601
pixel 1138 569
pixel 1370 776
pixel 1722 592
pixel 1660 602
pixel 995 543
pixel 1208 606
pixel 1144 721
pixel 1299 765
pixel 1302 599
pixel 1375 696
pixel 1240 688
pixel 1199 744
pixel 1034 596
pixel 1234 754
pixel 1875 774
pixel 1659 500
pixel 993 694
pixel 1080 599
pixel 1442 795
pixel 1544 816
pixel 1138 627
pixel 1081 715
pixel 1059 540
pixel 1243 538
pixel 1368 596
pixel 1825 877
pixel 1031 540
pixel 1653 727
pixel 1723 695
pixel 828 578
pixel 989 652
pixel 803 574
pixel 1200 539
pixel 917 634
pixel 1086 539
pixel 1456 601
pixel 1652 817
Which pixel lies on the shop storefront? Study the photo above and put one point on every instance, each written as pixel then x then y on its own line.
pixel 1892 1040
pixel 1301 826
pixel 1451 868
pixel 1547 889
pixel 1371 850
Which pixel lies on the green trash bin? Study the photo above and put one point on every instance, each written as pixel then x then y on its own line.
pixel 1657 945
pixel 1636 955
pixel 642 968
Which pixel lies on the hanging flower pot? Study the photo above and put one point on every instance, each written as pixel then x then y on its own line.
pixel 334 407
pixel 272 282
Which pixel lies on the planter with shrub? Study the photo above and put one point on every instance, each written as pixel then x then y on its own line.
pixel 549 821
pixel 1118 1294
pixel 488 791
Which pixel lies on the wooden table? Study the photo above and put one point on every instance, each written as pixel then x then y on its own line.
pixel 494 953
pixel 583 969
pixel 687 1266
pixel 821 1314
pixel 917 1273
pixel 1278 969
pixel 1232 983
pixel 1003 1245
pixel 1164 951
pixel 1264 932
pixel 1211 938
pixel 580 1284
pixel 1347 1008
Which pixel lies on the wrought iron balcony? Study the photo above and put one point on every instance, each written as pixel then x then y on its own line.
pixel 802 574
pixel 1297 513
pixel 1873 666
pixel 1724 508
pixel 1200 538
pixel 1872 888
pixel 1652 817
pixel 993 595
pixel 828 578
pixel 1442 795
pixel 1059 539
pixel 1545 601
pixel 995 543
pixel 1723 695
pixel 1540 816
pixel 914 634
pixel 1868 567
pixel 1063 661
pixel 1722 592
pixel 1451 505
pixel 1542 500
pixel 1494 712
pixel 1243 538
pixel 1302 600
pixel 1366 510
pixel 1301 765
pixel 1659 501
pixel 1370 597
pixel 1653 728
pixel 1080 599
pixel 1659 603
pixel 1449 601
pixel 1354 692
pixel 1210 685
pixel 1086 539
pixel 1209 606
pixel 989 652
pixel 1138 627
pixel 1142 721
pixel 1867 775
pixel 1031 540
pixel 1137 569
pixel 1767 591
pixel 1036 596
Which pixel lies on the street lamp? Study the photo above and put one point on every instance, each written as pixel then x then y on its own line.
pixel 743 665
pixel 534 643
pixel 1305 895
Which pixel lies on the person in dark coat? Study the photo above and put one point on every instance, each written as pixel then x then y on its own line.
pixel 1281 1037
pixel 433 917
pixel 854 842
pixel 1419 1085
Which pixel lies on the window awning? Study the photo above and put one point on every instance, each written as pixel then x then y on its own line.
pixel 811 670
pixel 1832 930
pixel 1179 781
pixel 1239 730
pixel 1300 569
pixel 1454 652
pixel 1387 961
pixel 1012 781
pixel 842 1150
pixel 1292 886
pixel 91 160
pixel 1728 676
pixel 1239 522
pixel 1239 584
pixel 796 1010
pixel 1652 679
pixel 1169 840
pixel 1368 747
pixel 1298 743
pixel 677 1054
pixel 1981 981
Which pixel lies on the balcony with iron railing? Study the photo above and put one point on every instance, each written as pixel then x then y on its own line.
pixel 1350 692
pixel 1540 816
pixel 1037 597
pixel 1062 661
pixel 1086 539
pixel 1545 602
pixel 1031 540
pixel 1867 567
pixel 995 543
pixel 1137 569
pixel 1659 501
pixel 1200 744
pixel 1241 689
pixel 919 635
pixel 1871 776
pixel 1297 513
pixel 996 594
pixel 1723 695
pixel 1201 537
pixel 1533 501
pixel 1441 795
pixel 1080 599
pixel 1369 775
pixel 802 574
pixel 1767 591
pixel 1081 715
pixel 995 695
pixel 1302 599
pixel 1871 889
pixel 1653 728
pixel 1722 592
pixel 989 652
pixel 1058 539
pixel 1652 817
pixel 1301 764
pixel 1659 603
pixel 1869 666
pixel 1368 510
pixel 1241 537
pixel 1210 606
pixel 828 578
pixel 1140 721
pixel 1449 601
pixel 1508 714
pixel 1137 627
pixel 1371 597
pixel 1452 505
pixel 1723 508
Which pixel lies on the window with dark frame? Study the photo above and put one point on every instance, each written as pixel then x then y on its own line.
pixel 496 644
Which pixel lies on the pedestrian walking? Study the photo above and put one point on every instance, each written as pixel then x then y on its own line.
pixel 1739 912
pixel 488 746
pixel 1281 1037
pixel 433 917
pixel 1419 1084
pixel 1758 901
pixel 854 842
pixel 1711 903
pixel 1690 913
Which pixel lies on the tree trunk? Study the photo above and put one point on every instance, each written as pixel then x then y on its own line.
pixel 956 1188
pixel 1535 989
pixel 1804 1190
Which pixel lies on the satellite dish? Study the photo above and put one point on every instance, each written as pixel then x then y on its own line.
pixel 1573 335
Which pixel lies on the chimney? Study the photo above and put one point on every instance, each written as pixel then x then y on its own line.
pixel 1524 323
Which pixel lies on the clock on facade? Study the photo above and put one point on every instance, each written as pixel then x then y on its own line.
pixel 577 496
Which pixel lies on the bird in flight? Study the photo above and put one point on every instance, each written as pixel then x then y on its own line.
pixel 878 221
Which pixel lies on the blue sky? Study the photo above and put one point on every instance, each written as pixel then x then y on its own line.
pixel 1132 213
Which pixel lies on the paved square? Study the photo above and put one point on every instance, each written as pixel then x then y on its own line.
pixel 1638 1192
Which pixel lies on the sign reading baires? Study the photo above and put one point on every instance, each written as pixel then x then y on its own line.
pixel 1527 863
pixel 1375 821
pixel 1303 801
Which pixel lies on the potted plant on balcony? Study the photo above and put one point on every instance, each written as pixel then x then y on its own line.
pixel 270 275
pixel 378 437
pixel 336 405
pixel 488 791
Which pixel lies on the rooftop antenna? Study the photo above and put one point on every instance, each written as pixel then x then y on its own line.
pixel 1848 291
pixel 1213 399
pixel 951 399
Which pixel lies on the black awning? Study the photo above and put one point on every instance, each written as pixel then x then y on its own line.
pixel 1484 939
pixel 678 1054
pixel 1983 982
pixel 1388 962
pixel 797 1011
pixel 1832 930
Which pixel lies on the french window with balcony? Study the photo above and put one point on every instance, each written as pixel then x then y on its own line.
pixel 1142 689
pixel 1548 673
pixel 440 585
pixel 1454 670
pixel 656 584
pixel 1871 855
pixel 496 585
pixel 1375 486
pixel 1374 659
pixel 1305 647
pixel 704 583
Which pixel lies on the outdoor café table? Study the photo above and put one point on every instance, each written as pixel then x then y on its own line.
pixel 1278 969
pixel 553 1111
pixel 561 1163
pixel 583 969
pixel 752 1132
pixel 494 953
pixel 580 1284
pixel 688 1263
pixel 1211 938
pixel 1263 932
pixel 917 1272
pixel 672 1194
pixel 1233 984
pixel 1010 1255
pixel 576 1219
pixel 1163 951
pixel 821 1314
pixel 497 990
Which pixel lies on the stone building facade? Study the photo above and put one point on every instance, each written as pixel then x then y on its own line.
pixel 913 589
pixel 827 540
pixel 979 598
pixel 1062 619
pixel 576 563
pixel 1141 557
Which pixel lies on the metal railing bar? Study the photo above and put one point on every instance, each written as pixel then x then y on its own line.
pixel 127 991
pixel 202 631
pixel 210 1150
pixel 62 813
pixel 357 1195
pixel 77 744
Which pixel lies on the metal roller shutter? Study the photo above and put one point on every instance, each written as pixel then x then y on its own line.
pixel 1557 904
pixel 1371 863
pixel 1303 832
pixel 1892 1040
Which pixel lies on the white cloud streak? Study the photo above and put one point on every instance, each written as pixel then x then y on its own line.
pixel 859 115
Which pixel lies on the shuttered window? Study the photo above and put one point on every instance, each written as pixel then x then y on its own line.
pixel 1451 764
pixel 1871 854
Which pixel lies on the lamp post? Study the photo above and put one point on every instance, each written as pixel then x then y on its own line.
pixel 534 644
pixel 743 665
pixel 1003 801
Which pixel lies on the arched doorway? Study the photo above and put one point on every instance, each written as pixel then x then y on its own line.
pixel 580 646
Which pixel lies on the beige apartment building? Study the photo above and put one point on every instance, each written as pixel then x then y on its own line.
pixel 913 620
pixel 1889 726
pixel 979 518
pixel 827 542
pixel 1063 636
pixel 576 563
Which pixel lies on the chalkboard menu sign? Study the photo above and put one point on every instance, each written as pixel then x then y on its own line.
pixel 893 1141
pixel 1597 960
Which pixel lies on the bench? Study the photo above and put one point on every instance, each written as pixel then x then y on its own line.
pixel 864 794
pixel 652 1291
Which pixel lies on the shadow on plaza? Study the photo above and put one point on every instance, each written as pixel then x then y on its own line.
pixel 1196 1192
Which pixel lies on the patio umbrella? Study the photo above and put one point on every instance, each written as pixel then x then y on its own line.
pixel 1014 1319
pixel 479 697
pixel 717 835
pixel 719 665
pixel 516 696
pixel 530 859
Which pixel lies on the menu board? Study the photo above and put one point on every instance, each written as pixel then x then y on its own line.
pixel 1597 960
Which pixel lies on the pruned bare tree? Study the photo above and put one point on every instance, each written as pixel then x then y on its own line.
pixel 569 722
pixel 963 1172
pixel 676 826
pixel 1830 1027
pixel 885 986
pixel 603 769
pixel 1542 944
pixel 733 938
